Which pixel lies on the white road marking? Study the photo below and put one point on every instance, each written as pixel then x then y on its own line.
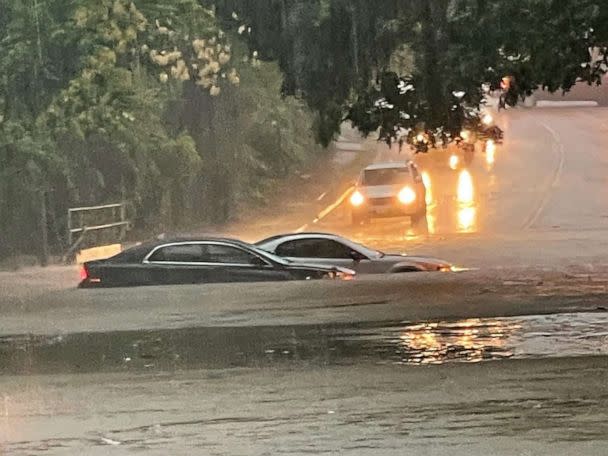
pixel 555 182
pixel 322 196
pixel 302 228
pixel 329 209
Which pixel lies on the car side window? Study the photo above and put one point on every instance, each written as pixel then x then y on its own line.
pixel 333 249
pixel 220 253
pixel 296 249
pixel 313 248
pixel 182 253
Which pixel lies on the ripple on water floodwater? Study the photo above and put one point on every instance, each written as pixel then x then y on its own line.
pixel 470 340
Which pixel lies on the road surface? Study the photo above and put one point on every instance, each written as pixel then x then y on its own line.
pixel 213 370
pixel 544 200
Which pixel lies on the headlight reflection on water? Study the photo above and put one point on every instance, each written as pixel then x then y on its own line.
pixel 490 154
pixel 472 340
pixel 465 195
pixel 465 191
pixel 428 184
pixel 466 219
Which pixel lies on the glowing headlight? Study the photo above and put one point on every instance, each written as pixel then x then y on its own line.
pixel 465 135
pixel 407 195
pixel 357 199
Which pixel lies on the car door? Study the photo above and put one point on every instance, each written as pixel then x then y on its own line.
pixel 320 251
pixel 233 263
pixel 178 263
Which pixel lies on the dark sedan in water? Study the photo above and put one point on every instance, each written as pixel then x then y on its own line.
pixel 208 260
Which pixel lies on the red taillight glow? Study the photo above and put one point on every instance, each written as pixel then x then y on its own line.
pixel 84 274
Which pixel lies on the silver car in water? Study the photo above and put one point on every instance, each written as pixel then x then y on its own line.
pixel 331 249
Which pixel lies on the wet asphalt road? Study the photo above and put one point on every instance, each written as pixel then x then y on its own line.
pixel 550 175
pixel 542 202
pixel 504 408
pixel 317 383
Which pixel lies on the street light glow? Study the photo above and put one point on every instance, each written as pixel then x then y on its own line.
pixel 454 160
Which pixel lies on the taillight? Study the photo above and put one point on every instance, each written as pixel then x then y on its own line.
pixel 84 272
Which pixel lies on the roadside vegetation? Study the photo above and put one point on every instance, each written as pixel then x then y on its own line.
pixel 187 109
pixel 420 69
pixel 148 102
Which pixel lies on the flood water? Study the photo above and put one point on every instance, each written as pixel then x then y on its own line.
pixel 470 340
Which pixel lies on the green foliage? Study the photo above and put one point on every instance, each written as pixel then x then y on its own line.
pixel 338 54
pixel 146 101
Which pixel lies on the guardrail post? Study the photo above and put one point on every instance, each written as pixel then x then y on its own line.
pixel 80 227
pixel 123 218
pixel 70 228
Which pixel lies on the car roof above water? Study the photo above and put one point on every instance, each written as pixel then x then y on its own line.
pixel 138 252
pixel 301 235
pixel 387 165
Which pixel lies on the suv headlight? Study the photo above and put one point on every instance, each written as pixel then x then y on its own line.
pixel 407 195
pixel 357 198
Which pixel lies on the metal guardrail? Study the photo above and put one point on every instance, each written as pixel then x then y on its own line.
pixel 116 218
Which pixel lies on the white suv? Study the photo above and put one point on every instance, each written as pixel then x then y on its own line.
pixel 389 190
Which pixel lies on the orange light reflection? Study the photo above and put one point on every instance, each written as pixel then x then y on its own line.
pixel 466 191
pixel 433 343
pixel 428 184
pixel 467 212
pixel 431 215
pixel 490 154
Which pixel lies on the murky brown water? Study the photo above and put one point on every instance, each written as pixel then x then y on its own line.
pixel 471 340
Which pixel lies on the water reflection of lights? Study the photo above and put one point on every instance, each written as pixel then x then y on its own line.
pixel 466 219
pixel 465 191
pixel 426 179
pixel 431 220
pixel 472 340
pixel 431 216
pixel 467 212
pixel 490 154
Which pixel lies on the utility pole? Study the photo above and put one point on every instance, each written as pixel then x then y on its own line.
pixel 44 238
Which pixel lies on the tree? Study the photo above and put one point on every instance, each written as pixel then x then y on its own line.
pixel 457 45
pixel 109 100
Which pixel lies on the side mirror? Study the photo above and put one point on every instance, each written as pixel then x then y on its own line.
pixel 356 256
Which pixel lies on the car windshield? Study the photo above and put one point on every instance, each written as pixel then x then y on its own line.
pixel 385 176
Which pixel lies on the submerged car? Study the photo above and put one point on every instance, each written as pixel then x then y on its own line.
pixel 389 190
pixel 332 249
pixel 209 260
